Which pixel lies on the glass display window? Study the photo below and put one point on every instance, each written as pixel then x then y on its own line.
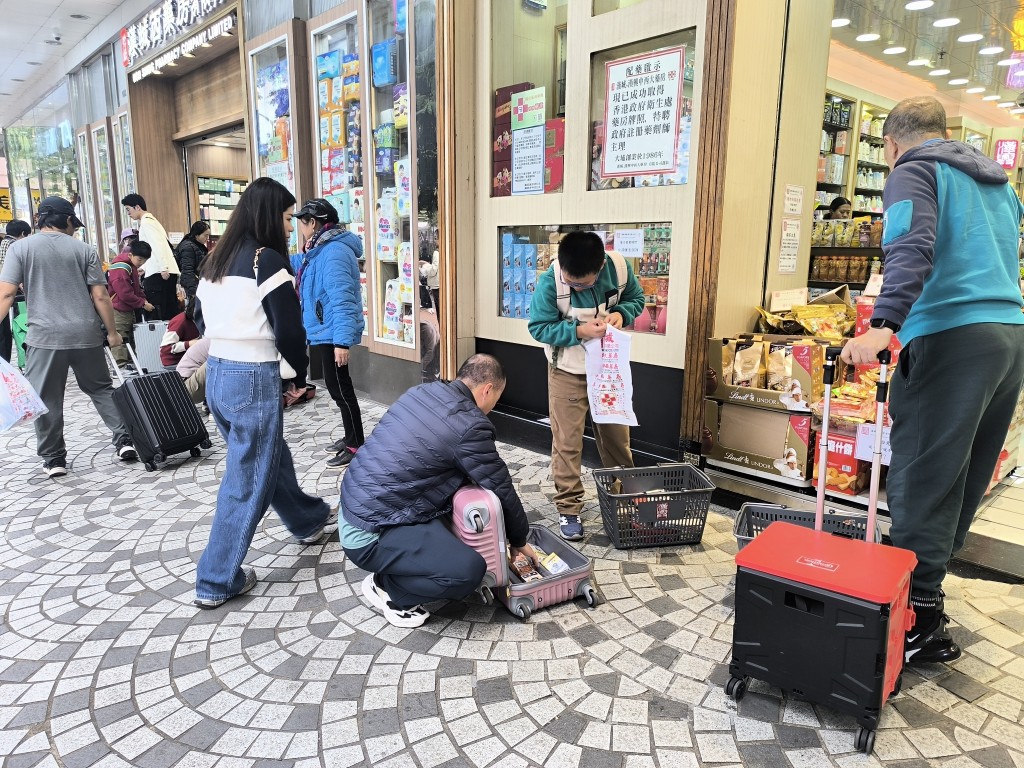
pixel 528 76
pixel 107 241
pixel 123 160
pixel 272 113
pixel 641 111
pixel 338 98
pixel 83 206
pixel 526 252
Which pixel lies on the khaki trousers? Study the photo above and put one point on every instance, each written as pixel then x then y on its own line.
pixel 124 323
pixel 568 407
pixel 196 385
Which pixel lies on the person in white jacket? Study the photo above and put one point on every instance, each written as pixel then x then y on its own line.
pixel 161 281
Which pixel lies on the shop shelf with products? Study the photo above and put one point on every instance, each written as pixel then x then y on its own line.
pixel 870 169
pixel 837 131
pixel 217 198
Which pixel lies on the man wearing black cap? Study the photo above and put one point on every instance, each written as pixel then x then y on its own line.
pixel 68 292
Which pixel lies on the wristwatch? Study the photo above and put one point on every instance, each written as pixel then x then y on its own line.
pixel 881 323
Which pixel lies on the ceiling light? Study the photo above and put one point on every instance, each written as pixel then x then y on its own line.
pixel 51 41
pixel 33 63
pixel 868 37
pixel 79 16
pixel 1006 62
pixel 1005 104
pixel 895 49
pixel 917 62
pixel 1017 111
pixel 991 97
pixel 939 72
pixel 919 5
pixel 840 22
pixel 947 22
pixel 958 81
pixel 990 50
pixel 978 89
pixel 206 45
pixel 188 55
pixel 17 80
pixel 973 37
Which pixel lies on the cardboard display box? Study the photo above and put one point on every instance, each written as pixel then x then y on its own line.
pixel 764 442
pixel 845 472
pixel 804 387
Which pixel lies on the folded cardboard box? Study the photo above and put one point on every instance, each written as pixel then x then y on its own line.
pixel 761 442
pixel 792 371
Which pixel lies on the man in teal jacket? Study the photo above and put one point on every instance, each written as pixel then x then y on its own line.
pixel 327 277
pixel 583 292
pixel 952 293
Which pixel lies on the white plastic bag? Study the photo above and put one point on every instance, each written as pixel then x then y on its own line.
pixel 609 379
pixel 18 401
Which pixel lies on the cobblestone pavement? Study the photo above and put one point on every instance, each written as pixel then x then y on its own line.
pixel 105 662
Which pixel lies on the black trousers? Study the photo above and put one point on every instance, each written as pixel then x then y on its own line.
pixel 342 392
pixel 6 338
pixel 417 564
pixel 163 295
pixel 951 402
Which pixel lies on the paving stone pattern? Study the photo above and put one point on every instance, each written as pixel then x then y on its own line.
pixel 105 662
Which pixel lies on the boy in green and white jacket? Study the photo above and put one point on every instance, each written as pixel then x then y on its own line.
pixel 584 291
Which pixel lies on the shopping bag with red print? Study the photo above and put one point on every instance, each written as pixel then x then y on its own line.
pixel 18 401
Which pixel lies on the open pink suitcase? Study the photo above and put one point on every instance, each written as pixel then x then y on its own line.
pixel 477 520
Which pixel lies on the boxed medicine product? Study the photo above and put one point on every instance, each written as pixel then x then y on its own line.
pixel 401 108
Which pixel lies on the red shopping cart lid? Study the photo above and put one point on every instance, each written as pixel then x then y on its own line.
pixel 872 572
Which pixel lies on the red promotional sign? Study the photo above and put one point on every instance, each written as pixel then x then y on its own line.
pixel 125 58
pixel 1006 153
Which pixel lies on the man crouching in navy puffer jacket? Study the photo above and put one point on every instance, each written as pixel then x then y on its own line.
pixel 433 440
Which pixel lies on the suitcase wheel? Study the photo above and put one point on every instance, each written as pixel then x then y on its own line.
pixel 736 687
pixel 523 611
pixel 486 595
pixel 150 466
pixel 865 741
pixel 159 458
pixel 195 453
pixel 205 445
pixel 477 521
pixel 591 595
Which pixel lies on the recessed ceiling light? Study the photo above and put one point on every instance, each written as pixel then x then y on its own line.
pixel 991 97
pixel 939 72
pixel 34 63
pixel 895 49
pixel 990 50
pixel 17 80
pixel 1017 111
pixel 919 5
pixel 868 37
pixel 840 22
pixel 79 16
pixel 1005 104
pixel 978 89
pixel 973 37
pixel 947 22
pixel 917 62
pixel 1006 62
pixel 958 81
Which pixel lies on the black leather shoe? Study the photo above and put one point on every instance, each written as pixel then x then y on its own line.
pixel 341 460
pixel 337 446
pixel 931 647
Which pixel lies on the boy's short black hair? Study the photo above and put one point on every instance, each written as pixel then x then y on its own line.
pixel 134 199
pixel 581 254
pixel 18 228
pixel 141 249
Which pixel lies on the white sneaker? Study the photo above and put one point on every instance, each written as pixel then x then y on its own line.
pixel 399 617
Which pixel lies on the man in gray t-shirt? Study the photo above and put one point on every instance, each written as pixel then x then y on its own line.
pixel 69 307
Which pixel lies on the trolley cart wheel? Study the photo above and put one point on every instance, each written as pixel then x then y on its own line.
pixel 486 595
pixel 150 466
pixel 477 521
pixel 195 453
pixel 159 458
pixel 865 741
pixel 205 445
pixel 591 595
pixel 523 611
pixel 736 687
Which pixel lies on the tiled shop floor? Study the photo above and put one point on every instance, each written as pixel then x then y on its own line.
pixel 104 661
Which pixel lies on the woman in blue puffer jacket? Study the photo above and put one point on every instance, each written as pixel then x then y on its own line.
pixel 327 278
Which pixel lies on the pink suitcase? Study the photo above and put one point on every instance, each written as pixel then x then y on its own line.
pixel 477 520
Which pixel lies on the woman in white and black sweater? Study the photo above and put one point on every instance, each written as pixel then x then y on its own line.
pixel 248 305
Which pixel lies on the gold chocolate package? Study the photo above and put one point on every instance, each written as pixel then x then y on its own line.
pixel 728 355
pixel 748 365
pixel 780 366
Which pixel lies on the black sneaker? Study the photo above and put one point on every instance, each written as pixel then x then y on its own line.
pixel 931 647
pixel 337 446
pixel 341 460
pixel 127 452
pixel 55 468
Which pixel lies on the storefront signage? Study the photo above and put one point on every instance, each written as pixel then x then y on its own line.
pixel 528 161
pixel 794 202
pixel 6 214
pixel 528 109
pixel 161 25
pixel 1006 153
pixel 630 242
pixel 185 47
pixel 643 96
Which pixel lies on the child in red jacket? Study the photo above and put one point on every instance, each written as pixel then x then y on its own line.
pixel 126 294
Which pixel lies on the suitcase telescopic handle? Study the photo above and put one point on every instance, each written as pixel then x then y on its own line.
pixel 881 394
pixel 113 362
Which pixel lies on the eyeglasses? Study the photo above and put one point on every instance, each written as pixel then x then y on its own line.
pixel 579 286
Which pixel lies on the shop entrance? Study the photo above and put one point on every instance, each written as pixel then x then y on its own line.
pixel 217 170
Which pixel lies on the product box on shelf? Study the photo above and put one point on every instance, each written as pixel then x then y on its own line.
pixel 844 471
pixel 403 184
pixel 387 225
pixel 401 101
pixel 554 170
pixel 764 442
pixel 356 205
pixel 503 101
pixel 502 179
pixel 324 96
pixel 865 308
pixel 384 62
pixel 785 371
pixel 406 273
pixel 392 310
pixel 554 136
pixel 502 149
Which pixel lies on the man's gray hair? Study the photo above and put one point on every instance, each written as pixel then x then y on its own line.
pixel 915 118
pixel 482 369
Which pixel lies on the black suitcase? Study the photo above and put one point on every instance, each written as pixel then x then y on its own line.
pixel 159 415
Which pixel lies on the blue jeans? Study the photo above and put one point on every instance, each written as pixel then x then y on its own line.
pixel 245 399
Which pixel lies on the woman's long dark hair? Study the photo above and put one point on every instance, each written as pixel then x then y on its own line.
pixel 197 229
pixel 258 216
